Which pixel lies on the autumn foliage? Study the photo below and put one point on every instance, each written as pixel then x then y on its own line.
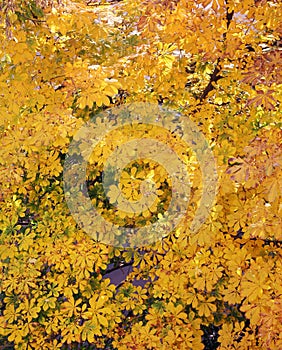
pixel 218 62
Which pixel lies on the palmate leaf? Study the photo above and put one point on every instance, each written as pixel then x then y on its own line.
pixel 254 285
pixel 263 98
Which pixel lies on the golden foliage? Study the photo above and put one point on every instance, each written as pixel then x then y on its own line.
pixel 219 63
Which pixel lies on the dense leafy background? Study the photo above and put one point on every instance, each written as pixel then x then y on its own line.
pixel 216 61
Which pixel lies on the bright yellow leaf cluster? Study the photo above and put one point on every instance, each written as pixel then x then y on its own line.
pixel 216 62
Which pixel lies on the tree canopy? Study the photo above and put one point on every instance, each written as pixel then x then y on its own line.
pixel 218 63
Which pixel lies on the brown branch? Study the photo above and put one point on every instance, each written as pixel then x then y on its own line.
pixel 213 79
pixel 99 3
pixel 215 76
pixel 33 19
pixel 119 267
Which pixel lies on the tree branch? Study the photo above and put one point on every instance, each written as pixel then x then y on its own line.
pixel 99 3
pixel 215 76
pixel 119 267
pixel 213 79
